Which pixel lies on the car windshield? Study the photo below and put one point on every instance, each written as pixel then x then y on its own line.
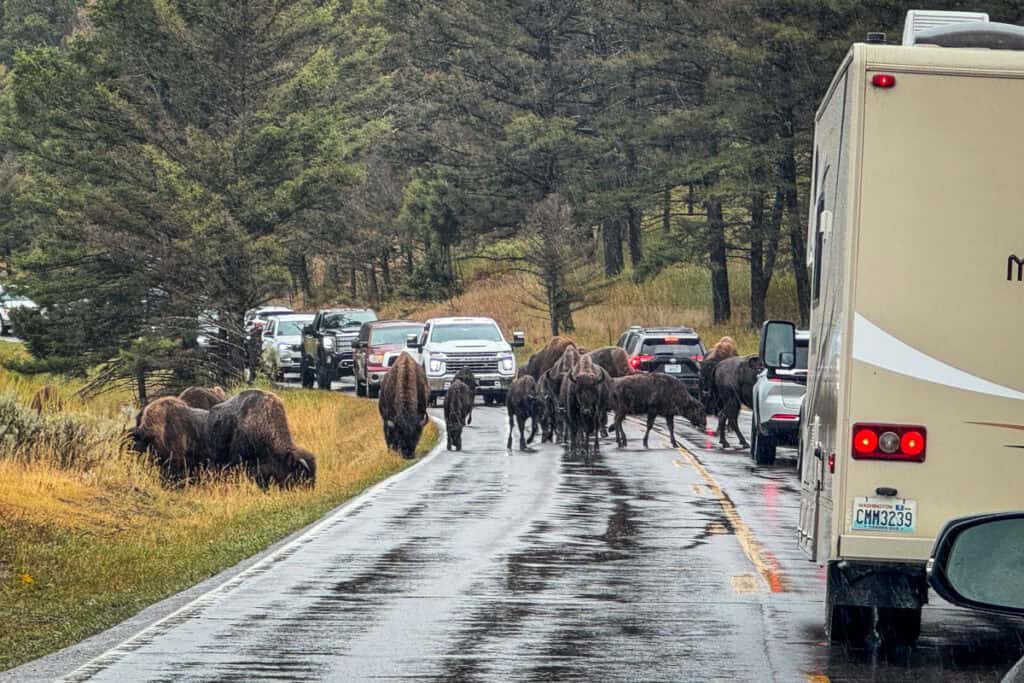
pixel 667 346
pixel 393 335
pixel 466 332
pixel 290 328
pixel 341 319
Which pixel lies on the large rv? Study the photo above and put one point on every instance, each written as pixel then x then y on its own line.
pixel 915 405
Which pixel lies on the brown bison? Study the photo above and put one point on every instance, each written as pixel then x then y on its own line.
pixel 201 397
pixel 404 395
pixel 734 387
pixel 554 379
pixel 47 400
pixel 458 405
pixel 522 403
pixel 725 348
pixel 543 360
pixel 467 376
pixel 174 435
pixel 585 392
pixel 251 431
pixel 654 394
pixel 613 359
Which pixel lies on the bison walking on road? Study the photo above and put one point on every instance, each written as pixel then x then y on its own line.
pixel 652 395
pixel 545 359
pixel 467 376
pixel 201 397
pixel 174 435
pixel 554 380
pixel 586 390
pixel 725 348
pixel 404 395
pixel 613 359
pixel 734 387
pixel 251 431
pixel 458 405
pixel 523 403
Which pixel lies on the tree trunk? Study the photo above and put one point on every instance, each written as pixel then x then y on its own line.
pixel 140 384
pixel 372 292
pixel 552 295
pixel 410 264
pixel 666 212
pixel 797 243
pixel 758 288
pixel 611 235
pixel 299 270
pixel 717 251
pixel 634 223
pixel 385 272
pixel 353 286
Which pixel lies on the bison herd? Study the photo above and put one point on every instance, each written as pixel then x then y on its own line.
pixel 202 430
pixel 567 393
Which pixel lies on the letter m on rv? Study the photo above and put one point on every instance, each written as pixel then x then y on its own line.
pixel 1019 263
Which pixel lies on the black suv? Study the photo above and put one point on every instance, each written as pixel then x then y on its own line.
pixel 327 344
pixel 675 351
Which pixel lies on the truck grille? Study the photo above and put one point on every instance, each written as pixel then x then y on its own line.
pixel 479 363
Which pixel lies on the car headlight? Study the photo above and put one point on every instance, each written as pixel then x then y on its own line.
pixel 376 359
pixel 507 364
pixel 436 364
pixel 329 343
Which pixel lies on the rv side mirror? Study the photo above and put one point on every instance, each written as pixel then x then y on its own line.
pixel 518 339
pixel 412 341
pixel 978 562
pixel 778 344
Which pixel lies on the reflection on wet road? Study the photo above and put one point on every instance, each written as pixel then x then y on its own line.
pixel 497 565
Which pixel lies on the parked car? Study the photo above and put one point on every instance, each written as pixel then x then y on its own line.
pixel 8 303
pixel 778 399
pixel 260 316
pixel 282 344
pixel 376 348
pixel 675 351
pixel 327 344
pixel 446 345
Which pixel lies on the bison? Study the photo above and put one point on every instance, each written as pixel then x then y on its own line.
pixel 554 379
pixel 47 400
pixel 613 359
pixel 251 431
pixel 523 404
pixel 652 395
pixel 201 397
pixel 467 376
pixel 458 405
pixel 585 391
pixel 734 386
pixel 174 434
pixel 404 395
pixel 725 348
pixel 544 360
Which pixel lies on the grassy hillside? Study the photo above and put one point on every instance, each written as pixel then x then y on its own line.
pixel 680 295
pixel 88 536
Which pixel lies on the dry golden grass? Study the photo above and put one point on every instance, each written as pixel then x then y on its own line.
pixel 85 546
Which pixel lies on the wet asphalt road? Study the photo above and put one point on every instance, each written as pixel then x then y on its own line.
pixel 496 565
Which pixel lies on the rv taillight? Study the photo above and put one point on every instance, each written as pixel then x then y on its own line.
pixel 883 80
pixel 904 443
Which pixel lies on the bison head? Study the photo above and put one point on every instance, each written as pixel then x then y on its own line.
pixel 691 409
pixel 402 433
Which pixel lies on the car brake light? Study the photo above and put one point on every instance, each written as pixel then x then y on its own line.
pixel 904 443
pixel 636 361
pixel 671 340
pixel 785 416
pixel 698 358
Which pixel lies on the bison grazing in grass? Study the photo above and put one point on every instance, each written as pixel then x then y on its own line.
pixel 652 395
pixel 523 403
pixel 467 376
pixel 545 359
pixel 458 404
pixel 725 348
pixel 734 387
pixel 585 391
pixel 404 395
pixel 47 400
pixel 174 435
pixel 613 359
pixel 201 397
pixel 251 431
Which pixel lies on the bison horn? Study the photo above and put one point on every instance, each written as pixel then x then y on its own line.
pixel 302 461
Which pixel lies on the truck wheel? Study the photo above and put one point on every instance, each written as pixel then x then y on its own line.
pixel 305 374
pixel 360 388
pixel 373 390
pixel 899 626
pixel 762 446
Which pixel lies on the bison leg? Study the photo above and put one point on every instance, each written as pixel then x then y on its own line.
pixel 521 420
pixel 511 424
pixel 533 428
pixel 650 426
pixel 723 420
pixel 670 423
pixel 735 424
pixel 620 433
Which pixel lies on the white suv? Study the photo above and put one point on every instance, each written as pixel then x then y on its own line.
pixel 778 397
pixel 447 345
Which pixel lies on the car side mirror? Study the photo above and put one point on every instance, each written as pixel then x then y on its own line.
pixel 412 341
pixel 778 344
pixel 978 562
pixel 308 329
pixel 518 339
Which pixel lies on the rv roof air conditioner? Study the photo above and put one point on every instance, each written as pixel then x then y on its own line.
pixel 960 29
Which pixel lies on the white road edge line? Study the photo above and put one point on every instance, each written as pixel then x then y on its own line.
pixel 119 651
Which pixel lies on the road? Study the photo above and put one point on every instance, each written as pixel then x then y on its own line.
pixel 657 564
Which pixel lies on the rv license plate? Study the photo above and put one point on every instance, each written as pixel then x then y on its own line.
pixel 673 368
pixel 884 514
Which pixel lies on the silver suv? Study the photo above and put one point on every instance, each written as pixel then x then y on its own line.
pixel 447 345
pixel 778 397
